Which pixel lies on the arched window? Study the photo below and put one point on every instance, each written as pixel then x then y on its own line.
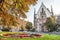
pixel 42 10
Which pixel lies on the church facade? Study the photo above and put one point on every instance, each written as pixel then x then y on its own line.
pixel 40 18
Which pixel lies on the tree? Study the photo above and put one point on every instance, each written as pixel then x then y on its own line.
pixel 29 26
pixel 22 29
pixel 11 10
pixel 6 29
pixel 57 27
pixel 50 25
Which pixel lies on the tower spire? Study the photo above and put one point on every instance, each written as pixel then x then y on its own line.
pixel 34 10
pixel 34 17
pixel 52 10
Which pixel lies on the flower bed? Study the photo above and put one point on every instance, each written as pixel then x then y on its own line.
pixel 5 35
pixel 21 35
pixel 44 37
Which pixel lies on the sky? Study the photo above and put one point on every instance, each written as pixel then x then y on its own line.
pixel 55 5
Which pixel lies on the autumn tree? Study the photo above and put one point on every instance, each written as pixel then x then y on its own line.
pixel 50 24
pixel 11 10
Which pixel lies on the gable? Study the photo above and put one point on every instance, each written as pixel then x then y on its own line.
pixel 47 12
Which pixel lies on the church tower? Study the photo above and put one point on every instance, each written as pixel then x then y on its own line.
pixel 52 10
pixel 52 14
pixel 35 19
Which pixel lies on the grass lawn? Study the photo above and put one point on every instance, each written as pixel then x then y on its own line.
pixel 44 37
pixel 10 32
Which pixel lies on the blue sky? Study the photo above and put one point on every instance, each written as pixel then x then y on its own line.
pixel 55 5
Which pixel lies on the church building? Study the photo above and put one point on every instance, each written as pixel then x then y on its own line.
pixel 40 18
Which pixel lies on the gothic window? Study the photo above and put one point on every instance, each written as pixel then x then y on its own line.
pixel 42 10
pixel 35 17
pixel 42 16
pixel 39 24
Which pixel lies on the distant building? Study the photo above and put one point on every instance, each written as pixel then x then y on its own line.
pixel 41 17
pixel 58 19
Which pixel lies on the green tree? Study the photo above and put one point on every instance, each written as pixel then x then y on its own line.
pixel 6 29
pixel 22 29
pixel 49 24
pixel 29 26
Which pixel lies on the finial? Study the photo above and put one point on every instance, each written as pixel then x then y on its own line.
pixel 42 3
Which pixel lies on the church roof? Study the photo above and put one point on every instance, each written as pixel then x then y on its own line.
pixel 42 5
